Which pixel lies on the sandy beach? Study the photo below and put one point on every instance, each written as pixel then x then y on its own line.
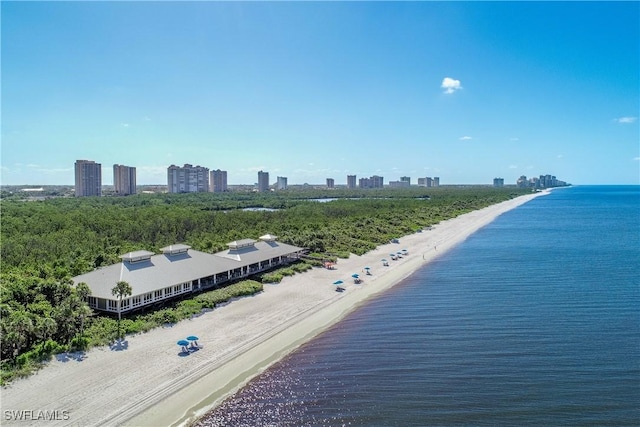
pixel 148 382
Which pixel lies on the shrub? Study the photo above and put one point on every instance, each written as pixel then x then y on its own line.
pixel 272 277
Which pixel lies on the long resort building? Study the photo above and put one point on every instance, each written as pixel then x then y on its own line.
pixel 179 270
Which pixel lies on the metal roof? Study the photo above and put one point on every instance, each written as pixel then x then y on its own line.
pixel 179 247
pixel 161 271
pixel 136 255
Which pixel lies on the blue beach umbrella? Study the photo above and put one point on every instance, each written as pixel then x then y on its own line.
pixel 367 268
pixel 192 338
pixel 338 282
pixel 355 275
pixel 183 343
pixel 383 259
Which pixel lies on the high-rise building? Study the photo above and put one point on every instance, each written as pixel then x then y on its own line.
pixel 406 179
pixel 263 181
pixel 351 181
pixel 371 182
pixel 218 181
pixel 88 178
pixel 377 181
pixel 330 183
pixel 399 184
pixel 429 182
pixel 281 183
pixel 124 180
pixel 522 182
pixel 498 182
pixel 187 179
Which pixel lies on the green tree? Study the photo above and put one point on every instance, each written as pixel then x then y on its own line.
pixel 83 311
pixel 121 290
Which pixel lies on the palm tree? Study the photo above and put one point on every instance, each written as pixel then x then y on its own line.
pixel 83 291
pixel 121 290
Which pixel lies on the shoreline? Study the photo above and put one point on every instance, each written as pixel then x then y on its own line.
pixel 149 384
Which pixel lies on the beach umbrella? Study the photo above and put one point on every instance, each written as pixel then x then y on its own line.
pixel 356 275
pixel 192 338
pixel 338 282
pixel 383 259
pixel 183 343
pixel 367 268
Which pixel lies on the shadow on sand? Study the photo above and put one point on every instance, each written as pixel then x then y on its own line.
pixel 77 356
pixel 119 345
pixel 187 350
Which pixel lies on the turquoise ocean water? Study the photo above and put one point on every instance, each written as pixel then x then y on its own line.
pixel 533 320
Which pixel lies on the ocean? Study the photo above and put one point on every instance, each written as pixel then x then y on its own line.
pixel 533 320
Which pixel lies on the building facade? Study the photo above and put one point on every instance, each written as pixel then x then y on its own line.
pixel 263 181
pixel 331 183
pixel 281 183
pixel 429 182
pixel 543 181
pixel 179 270
pixel 88 176
pixel 351 181
pixel 187 179
pixel 124 180
pixel 399 184
pixel 218 181
pixel 498 182
pixel 371 182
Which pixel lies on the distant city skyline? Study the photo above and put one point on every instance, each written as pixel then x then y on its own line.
pixel 466 91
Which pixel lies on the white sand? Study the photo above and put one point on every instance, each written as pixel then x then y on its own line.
pixel 149 384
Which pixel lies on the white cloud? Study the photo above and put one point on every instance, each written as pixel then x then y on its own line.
pixel 626 119
pixel 465 138
pixel 513 166
pixel 450 85
pixel 636 159
pixel 124 125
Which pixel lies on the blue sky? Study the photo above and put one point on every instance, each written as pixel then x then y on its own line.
pixel 466 91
